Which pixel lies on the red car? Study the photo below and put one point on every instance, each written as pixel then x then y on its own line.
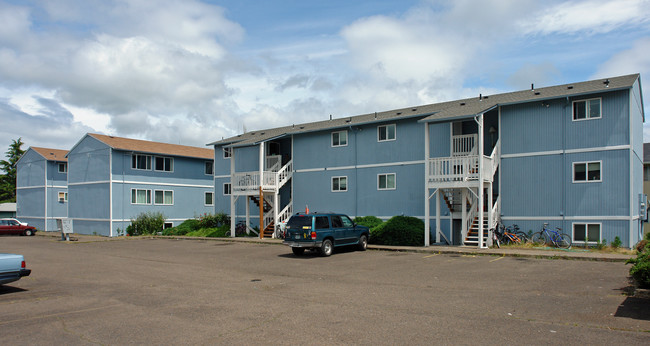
pixel 12 226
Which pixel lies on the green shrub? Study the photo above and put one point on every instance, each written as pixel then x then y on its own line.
pixel 368 221
pixel 209 220
pixel 146 223
pixel 399 230
pixel 640 270
pixel 616 243
pixel 187 226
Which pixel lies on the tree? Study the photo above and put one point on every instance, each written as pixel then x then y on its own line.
pixel 8 180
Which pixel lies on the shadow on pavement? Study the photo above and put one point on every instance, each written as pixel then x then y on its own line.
pixel 636 308
pixel 10 289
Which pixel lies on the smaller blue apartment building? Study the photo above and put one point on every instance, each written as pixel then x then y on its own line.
pixel 42 187
pixel 568 155
pixel 111 180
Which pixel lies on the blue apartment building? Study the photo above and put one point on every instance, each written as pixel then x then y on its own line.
pixel 111 180
pixel 42 187
pixel 568 155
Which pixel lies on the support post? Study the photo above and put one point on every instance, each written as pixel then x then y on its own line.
pixel 481 183
pixel 248 212
pixel 463 229
pixel 438 215
pixel 276 208
pixel 427 216
pixel 261 213
pixel 233 215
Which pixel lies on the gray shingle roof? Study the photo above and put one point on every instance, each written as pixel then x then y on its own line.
pixel 438 111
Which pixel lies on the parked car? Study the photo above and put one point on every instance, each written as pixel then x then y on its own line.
pixel 12 268
pixel 13 226
pixel 20 222
pixel 323 232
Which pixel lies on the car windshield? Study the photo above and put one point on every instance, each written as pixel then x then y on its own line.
pixel 299 222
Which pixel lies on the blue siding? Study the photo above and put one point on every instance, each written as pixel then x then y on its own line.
pixel 439 139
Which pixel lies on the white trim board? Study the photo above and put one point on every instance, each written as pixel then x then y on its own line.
pixel 567 151
pixel 374 165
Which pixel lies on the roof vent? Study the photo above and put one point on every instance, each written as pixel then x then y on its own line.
pixel 532 86
pixel 375 115
pixel 485 97
pixel 261 133
pixel 570 87
pixel 414 109
pixel 537 92
pixel 462 103
pixel 606 82
pixel 398 113
pixel 330 117
pixel 302 127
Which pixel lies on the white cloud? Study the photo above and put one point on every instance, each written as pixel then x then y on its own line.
pixel 590 16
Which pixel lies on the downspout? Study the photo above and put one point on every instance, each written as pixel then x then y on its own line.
pixel 481 202
pixel 110 191
pixel 356 174
pixel 45 191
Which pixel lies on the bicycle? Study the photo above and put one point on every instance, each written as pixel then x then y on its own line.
pixel 554 237
pixel 508 235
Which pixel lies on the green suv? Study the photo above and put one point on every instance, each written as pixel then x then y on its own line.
pixel 323 232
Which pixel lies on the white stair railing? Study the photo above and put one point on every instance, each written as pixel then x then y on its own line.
pixel 473 210
pixel 286 213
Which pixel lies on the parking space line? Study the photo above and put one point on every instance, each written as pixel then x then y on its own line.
pixel 435 254
pixel 59 314
pixel 496 259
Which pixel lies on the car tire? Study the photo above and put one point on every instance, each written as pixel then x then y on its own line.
pixel 363 242
pixel 298 251
pixel 28 232
pixel 326 248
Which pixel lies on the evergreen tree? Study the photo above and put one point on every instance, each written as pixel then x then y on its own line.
pixel 8 180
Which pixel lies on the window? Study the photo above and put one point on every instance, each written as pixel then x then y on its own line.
pixel 586 233
pixel 347 222
pixel 141 162
pixel 63 197
pixel 227 189
pixel 167 225
pixel 227 153
pixel 337 222
pixel 586 109
pixel 63 167
pixel 163 197
pixel 164 164
pixel 322 222
pixel 339 184
pixel 340 138
pixel 209 167
pixel 586 171
pixel 139 196
pixel 646 172
pixel 209 198
pixel 386 133
pixel 386 181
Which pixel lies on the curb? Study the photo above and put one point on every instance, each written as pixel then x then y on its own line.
pixel 447 250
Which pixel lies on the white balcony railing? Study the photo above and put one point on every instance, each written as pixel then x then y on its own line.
pixel 249 182
pixel 449 169
pixel 464 145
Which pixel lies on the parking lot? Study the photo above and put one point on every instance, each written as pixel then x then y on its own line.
pixel 163 291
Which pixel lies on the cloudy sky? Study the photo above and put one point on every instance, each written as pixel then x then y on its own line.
pixel 191 72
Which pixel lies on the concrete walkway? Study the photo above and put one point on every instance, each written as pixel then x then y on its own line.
pixel 550 253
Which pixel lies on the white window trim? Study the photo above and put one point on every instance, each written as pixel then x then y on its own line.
pixel 65 167
pixel 339 145
pixel 153 163
pixel 586 163
pixel 223 190
pixel 205 193
pixel 141 169
pixel 171 224
pixel 573 232
pixel 136 196
pixel 339 190
pixel 227 153
pixel 388 188
pixel 163 191
pixel 388 139
pixel 586 101
pixel 205 165
pixel 65 196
